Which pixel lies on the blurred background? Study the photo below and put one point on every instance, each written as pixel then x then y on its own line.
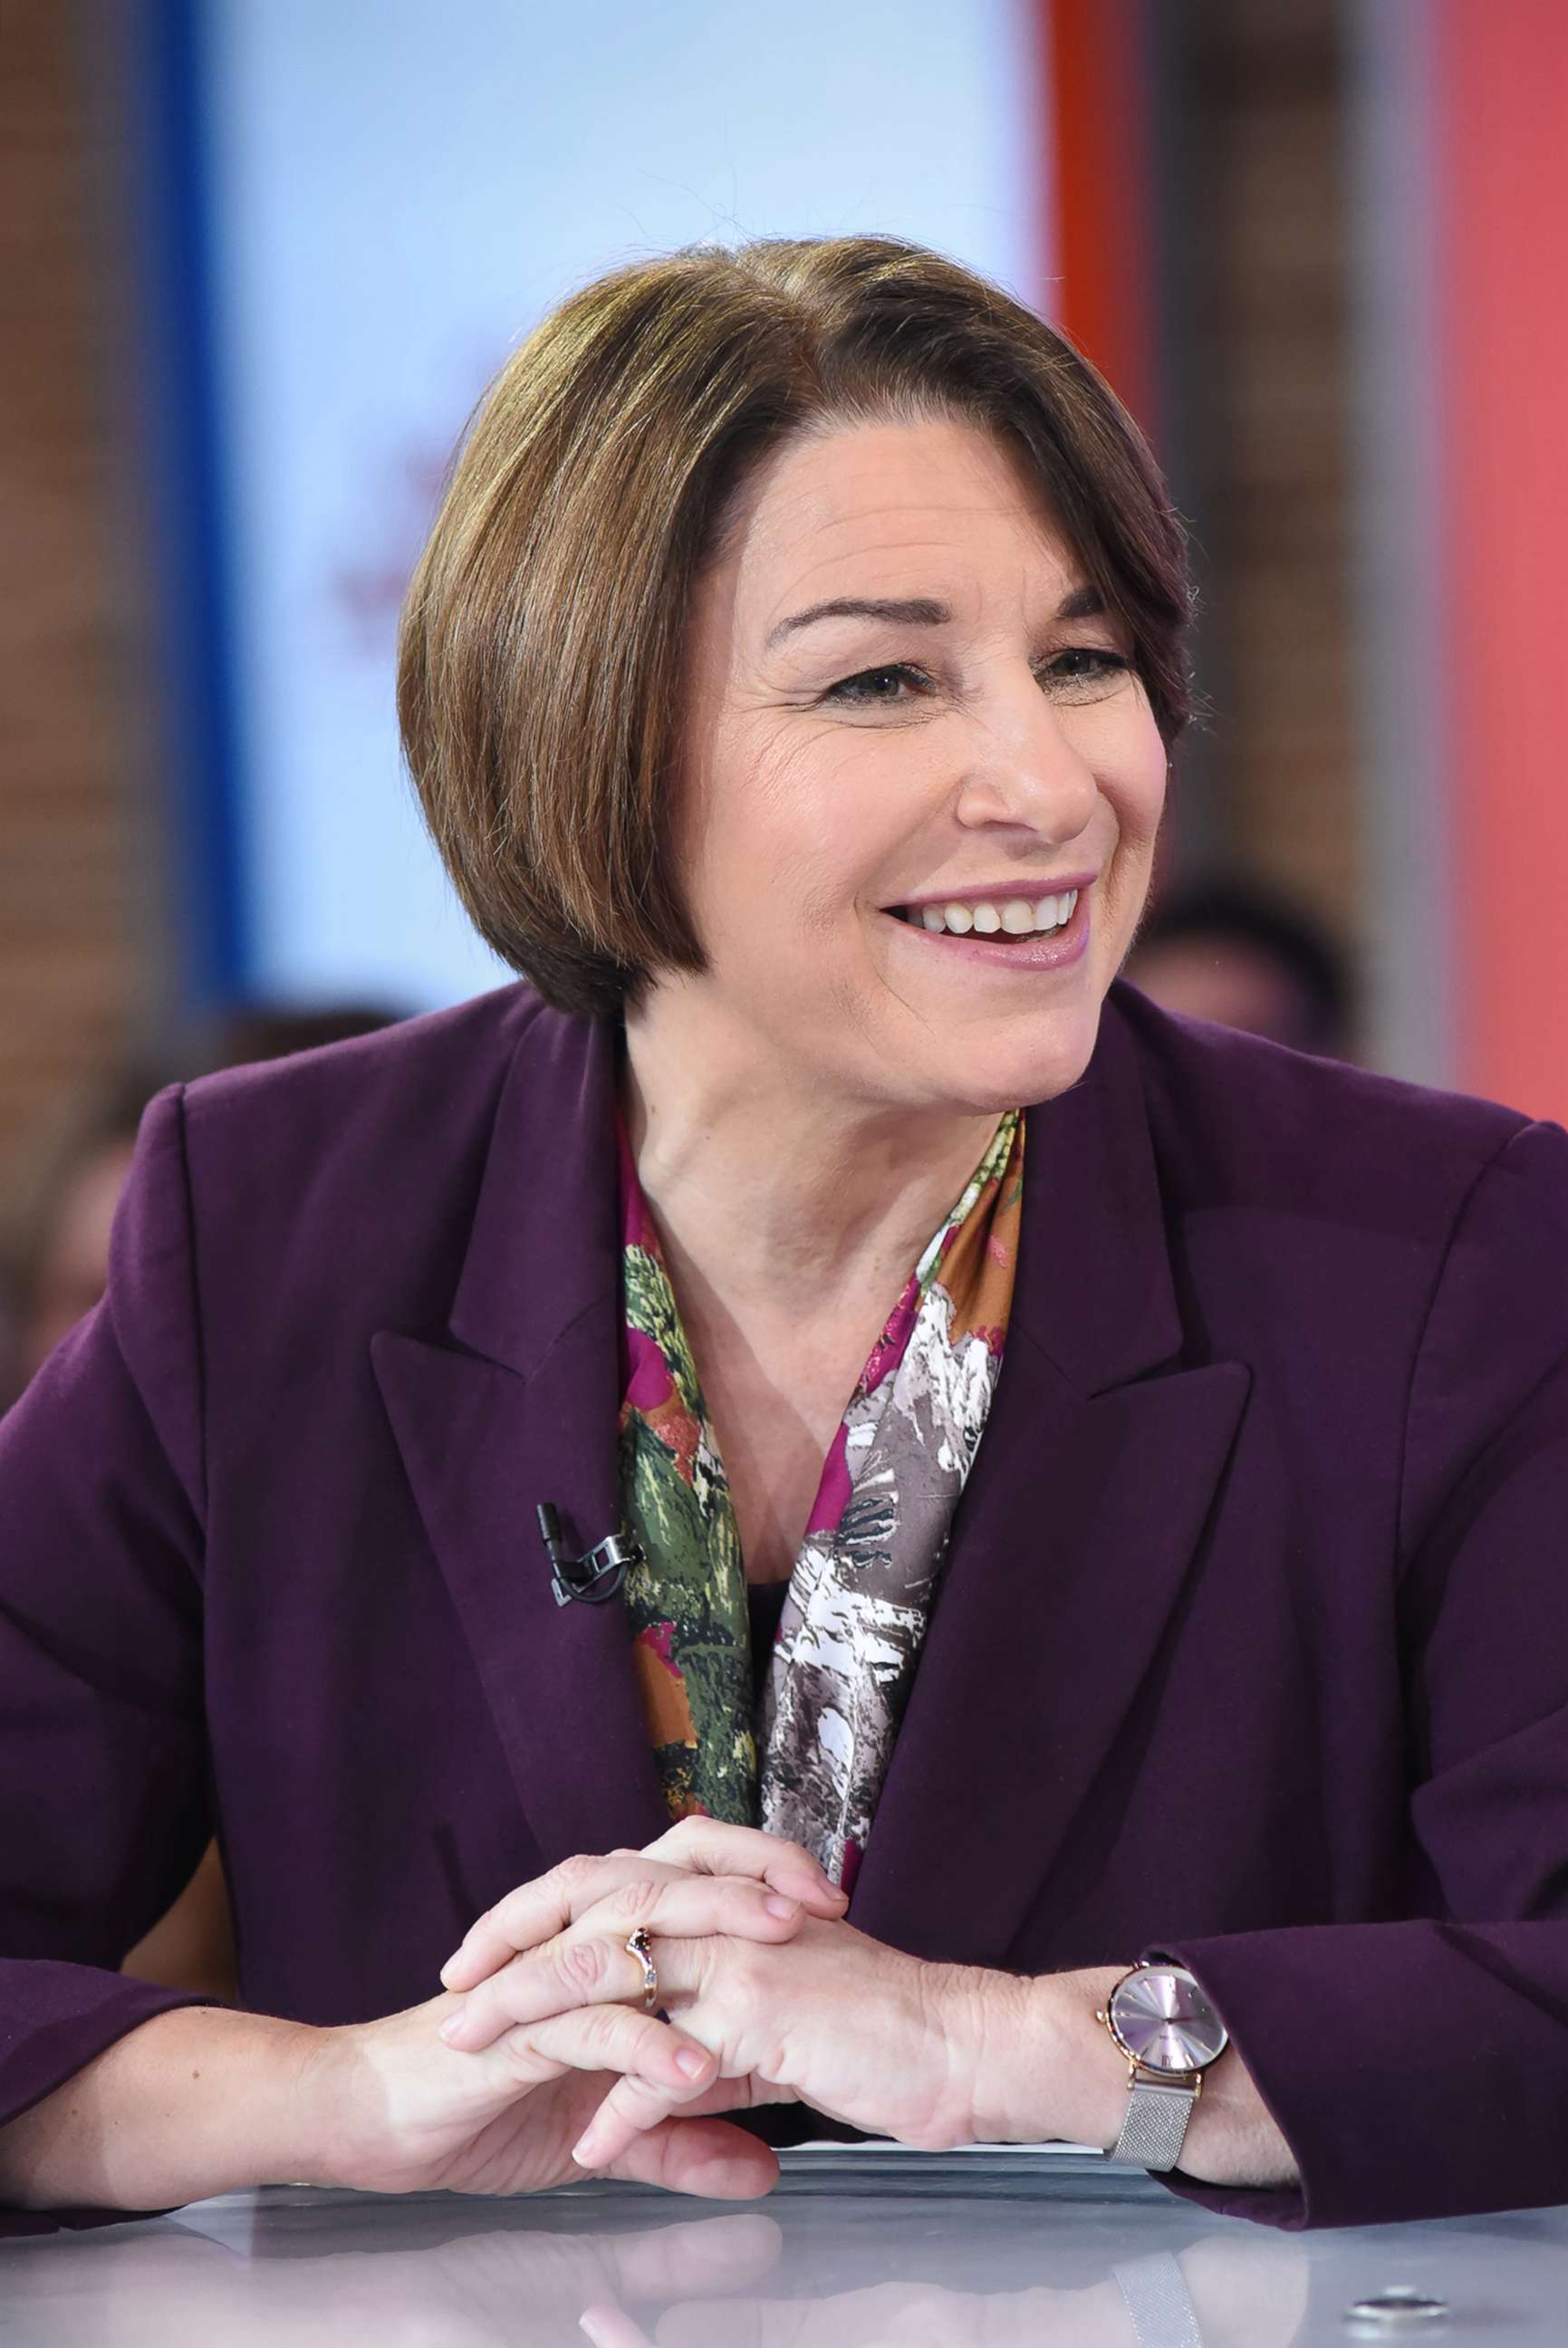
pixel 262 256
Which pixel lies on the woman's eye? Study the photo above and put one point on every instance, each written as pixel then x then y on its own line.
pixel 845 690
pixel 1085 671
pixel 1080 674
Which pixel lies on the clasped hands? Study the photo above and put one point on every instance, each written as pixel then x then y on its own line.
pixel 539 2062
pixel 767 1994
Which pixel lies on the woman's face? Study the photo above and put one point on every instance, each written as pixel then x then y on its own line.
pixel 987 748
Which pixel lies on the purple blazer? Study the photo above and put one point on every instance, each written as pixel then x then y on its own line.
pixel 1251 1644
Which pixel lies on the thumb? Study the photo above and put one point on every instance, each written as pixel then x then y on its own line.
pixel 710 2157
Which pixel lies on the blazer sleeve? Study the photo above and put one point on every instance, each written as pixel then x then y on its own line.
pixel 1417 2067
pixel 104 1807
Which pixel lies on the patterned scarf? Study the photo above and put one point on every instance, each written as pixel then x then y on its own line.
pixel 862 1583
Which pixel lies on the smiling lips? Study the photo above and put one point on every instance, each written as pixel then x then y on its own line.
pixel 1001 931
pixel 1013 917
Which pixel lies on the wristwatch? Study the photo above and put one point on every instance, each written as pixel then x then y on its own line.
pixel 1169 2033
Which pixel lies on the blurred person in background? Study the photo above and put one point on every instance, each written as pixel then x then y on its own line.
pixel 57 1256
pixel 1235 950
pixel 57 1223
pixel 1080 1488
pixel 62 1206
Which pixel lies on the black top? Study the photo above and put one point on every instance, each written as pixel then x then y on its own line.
pixel 766 1599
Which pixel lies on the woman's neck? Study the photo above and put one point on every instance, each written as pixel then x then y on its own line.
pixel 767 1184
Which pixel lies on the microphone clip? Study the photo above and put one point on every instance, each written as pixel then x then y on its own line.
pixel 595 1576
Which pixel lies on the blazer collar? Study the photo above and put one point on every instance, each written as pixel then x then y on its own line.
pixel 1093 1286
pixel 543 1245
pixel 524 1408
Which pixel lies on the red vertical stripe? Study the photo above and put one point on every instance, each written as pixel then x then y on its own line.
pixel 1099 144
pixel 1501 151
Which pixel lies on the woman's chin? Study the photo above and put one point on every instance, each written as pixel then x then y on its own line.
pixel 1012 1072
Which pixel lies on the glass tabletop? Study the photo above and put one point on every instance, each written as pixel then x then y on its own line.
pixel 855 2249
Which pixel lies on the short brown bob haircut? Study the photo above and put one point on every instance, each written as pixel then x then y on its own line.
pixel 540 654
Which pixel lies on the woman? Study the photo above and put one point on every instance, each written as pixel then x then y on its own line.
pixel 790 683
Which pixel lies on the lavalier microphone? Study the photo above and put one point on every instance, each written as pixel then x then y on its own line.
pixel 597 1574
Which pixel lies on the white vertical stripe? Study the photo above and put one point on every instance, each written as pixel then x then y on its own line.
pixel 1407 889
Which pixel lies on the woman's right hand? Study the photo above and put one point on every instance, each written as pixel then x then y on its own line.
pixel 405 2112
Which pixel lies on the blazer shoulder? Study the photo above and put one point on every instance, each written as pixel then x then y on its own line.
pixel 1239 1121
pixel 336 1190
pixel 425 1083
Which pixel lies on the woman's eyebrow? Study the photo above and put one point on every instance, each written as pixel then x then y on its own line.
pixel 1085 602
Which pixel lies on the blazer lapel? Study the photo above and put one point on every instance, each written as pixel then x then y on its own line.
pixel 1071 1543
pixel 523 1409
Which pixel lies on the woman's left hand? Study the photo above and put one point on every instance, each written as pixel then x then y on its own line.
pixel 834 2019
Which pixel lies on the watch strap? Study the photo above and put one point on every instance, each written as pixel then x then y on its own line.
pixel 1156 2122
pixel 1158 2299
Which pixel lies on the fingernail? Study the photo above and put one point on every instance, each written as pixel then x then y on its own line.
pixel 778 1906
pixel 445 1975
pixel 591 2324
pixel 585 2150
pixel 451 2028
pixel 690 2063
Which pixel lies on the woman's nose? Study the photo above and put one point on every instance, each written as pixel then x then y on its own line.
pixel 1024 765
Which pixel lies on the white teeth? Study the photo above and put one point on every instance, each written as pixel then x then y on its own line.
pixel 1016 918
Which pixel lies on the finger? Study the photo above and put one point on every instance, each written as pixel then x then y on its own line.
pixel 536 1911
pixel 632 2108
pixel 614 2038
pixel 709 2156
pixel 638 2104
pixel 691 1907
pixel 712 1847
pixel 590 1962
pixel 587 1966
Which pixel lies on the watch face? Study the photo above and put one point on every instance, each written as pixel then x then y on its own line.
pixel 1163 2020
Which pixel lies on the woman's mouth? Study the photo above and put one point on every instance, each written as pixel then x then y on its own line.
pixel 1044 932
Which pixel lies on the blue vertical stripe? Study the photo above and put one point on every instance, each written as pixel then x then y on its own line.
pixel 210 959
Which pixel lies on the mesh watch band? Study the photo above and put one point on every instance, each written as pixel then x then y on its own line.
pixel 1156 2122
pixel 1158 2299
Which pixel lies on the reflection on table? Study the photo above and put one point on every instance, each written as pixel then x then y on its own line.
pixel 849 2252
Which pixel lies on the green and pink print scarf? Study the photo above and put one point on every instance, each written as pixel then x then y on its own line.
pixel 809 1766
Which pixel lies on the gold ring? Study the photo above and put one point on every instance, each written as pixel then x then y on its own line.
pixel 639 1946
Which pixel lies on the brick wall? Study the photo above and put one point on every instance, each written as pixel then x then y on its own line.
pixel 76 959
pixel 1269 290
